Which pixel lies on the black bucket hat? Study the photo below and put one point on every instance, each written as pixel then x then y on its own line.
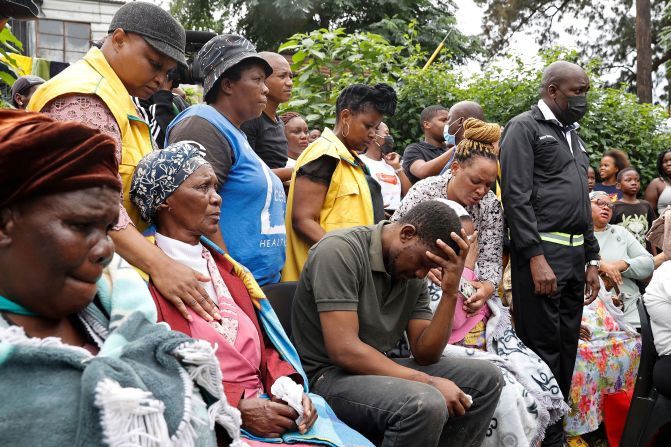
pixel 158 28
pixel 223 52
pixel 18 9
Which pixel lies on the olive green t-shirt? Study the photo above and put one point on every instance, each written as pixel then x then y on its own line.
pixel 345 271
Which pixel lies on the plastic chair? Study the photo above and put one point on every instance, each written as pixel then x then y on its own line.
pixel 281 297
pixel 649 410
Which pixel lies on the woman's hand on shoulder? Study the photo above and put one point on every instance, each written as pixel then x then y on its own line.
pixel 182 286
pixel 266 418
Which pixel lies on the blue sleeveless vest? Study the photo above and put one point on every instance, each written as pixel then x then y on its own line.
pixel 252 202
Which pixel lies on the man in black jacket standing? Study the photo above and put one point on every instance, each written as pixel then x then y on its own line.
pixel 554 254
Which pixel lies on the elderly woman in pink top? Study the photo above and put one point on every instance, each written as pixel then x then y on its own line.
pixel 175 190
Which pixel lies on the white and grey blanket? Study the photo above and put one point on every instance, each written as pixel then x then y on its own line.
pixel 530 399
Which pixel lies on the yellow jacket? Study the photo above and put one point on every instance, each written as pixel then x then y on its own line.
pixel 93 75
pixel 347 203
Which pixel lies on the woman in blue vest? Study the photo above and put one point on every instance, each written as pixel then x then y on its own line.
pixel 252 197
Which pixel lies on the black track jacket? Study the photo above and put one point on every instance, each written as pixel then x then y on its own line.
pixel 544 187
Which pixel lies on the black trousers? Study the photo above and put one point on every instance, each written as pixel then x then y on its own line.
pixel 661 374
pixel 550 325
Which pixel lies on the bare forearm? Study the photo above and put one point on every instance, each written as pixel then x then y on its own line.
pixel 309 230
pixel 432 167
pixel 283 173
pixel 433 339
pixel 659 259
pixel 360 358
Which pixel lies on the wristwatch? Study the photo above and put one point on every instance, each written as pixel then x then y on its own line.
pixel 594 263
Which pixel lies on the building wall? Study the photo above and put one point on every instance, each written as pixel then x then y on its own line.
pixel 97 13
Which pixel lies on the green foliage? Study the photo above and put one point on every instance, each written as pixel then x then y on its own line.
pixel 9 44
pixel 610 34
pixel 268 23
pixel 198 14
pixel 417 90
pixel 617 120
pixel 328 61
pixel 193 95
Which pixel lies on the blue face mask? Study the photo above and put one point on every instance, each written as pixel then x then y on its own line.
pixel 450 138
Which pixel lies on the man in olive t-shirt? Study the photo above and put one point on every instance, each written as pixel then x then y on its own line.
pixel 359 290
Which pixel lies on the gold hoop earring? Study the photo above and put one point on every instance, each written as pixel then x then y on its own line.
pixel 345 134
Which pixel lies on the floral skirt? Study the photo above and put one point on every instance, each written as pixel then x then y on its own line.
pixel 606 364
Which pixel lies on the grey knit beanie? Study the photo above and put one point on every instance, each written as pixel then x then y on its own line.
pixel 158 28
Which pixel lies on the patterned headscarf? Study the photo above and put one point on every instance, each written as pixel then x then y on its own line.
pixel 160 173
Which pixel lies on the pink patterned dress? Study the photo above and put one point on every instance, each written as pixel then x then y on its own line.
pixel 606 364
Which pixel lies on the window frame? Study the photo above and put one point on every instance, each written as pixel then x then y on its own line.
pixel 64 49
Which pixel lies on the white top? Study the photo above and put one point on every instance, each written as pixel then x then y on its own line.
pixel 190 256
pixel 290 163
pixel 657 300
pixel 389 182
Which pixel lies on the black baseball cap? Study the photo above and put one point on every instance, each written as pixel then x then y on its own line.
pixel 22 84
pixel 223 52
pixel 156 26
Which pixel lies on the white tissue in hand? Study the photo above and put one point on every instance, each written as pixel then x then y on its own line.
pixel 292 393
pixel 470 399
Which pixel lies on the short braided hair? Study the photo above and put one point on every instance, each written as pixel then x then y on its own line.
pixel 479 139
pixel 288 116
pixel 620 175
pixel 433 220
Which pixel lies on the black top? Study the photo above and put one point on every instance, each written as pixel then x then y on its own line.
pixel 158 111
pixel 268 140
pixel 544 183
pixel 635 217
pixel 419 151
pixel 321 170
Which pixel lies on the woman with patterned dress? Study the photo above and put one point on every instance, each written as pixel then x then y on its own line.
pixel 530 399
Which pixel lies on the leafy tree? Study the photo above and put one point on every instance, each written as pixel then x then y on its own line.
pixel 268 23
pixel 613 29
pixel 326 62
pixel 8 68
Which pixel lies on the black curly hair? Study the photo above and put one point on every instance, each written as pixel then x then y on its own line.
pixel 660 168
pixel 619 157
pixel 433 220
pixel 358 97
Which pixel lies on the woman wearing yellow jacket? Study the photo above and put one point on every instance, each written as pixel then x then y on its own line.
pixel 329 189
pixel 144 43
